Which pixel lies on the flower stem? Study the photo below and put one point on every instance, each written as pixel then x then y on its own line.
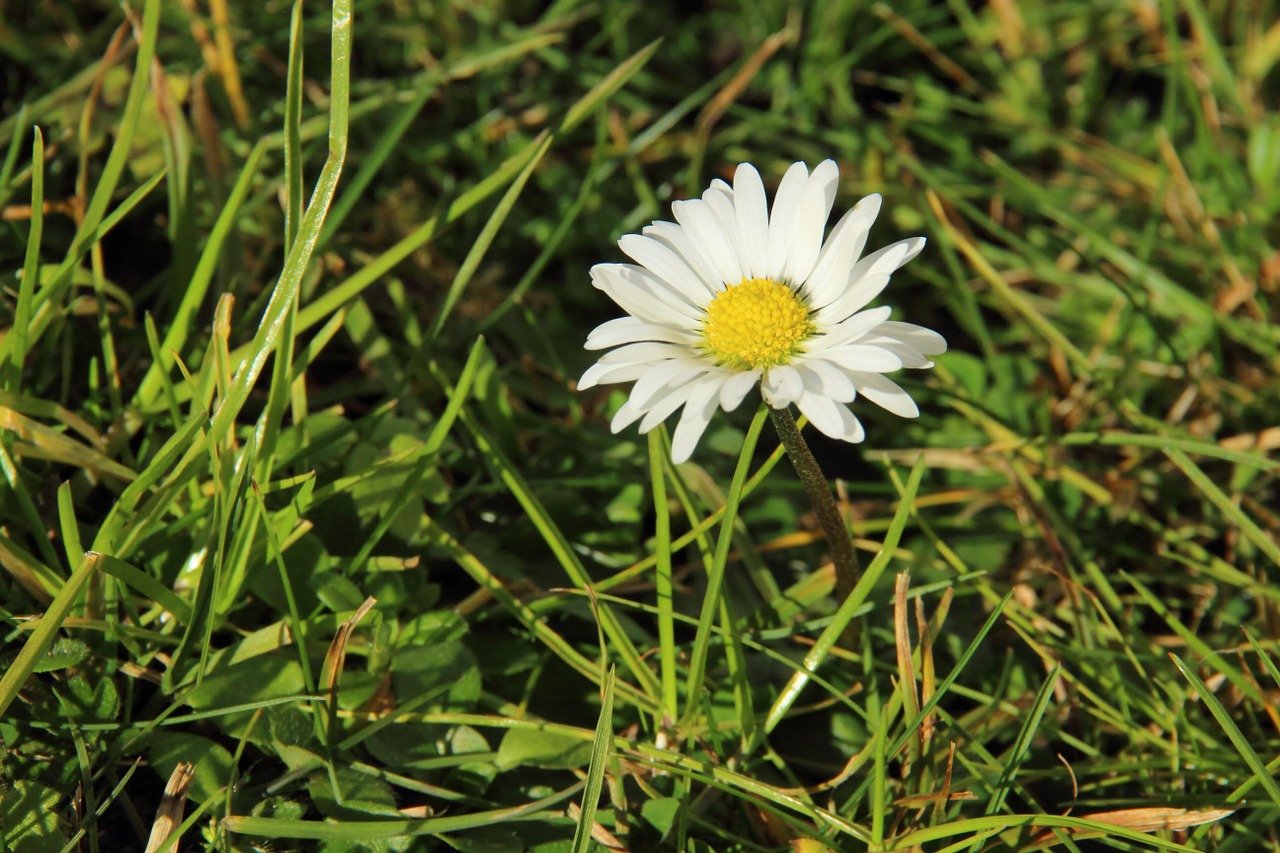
pixel 839 541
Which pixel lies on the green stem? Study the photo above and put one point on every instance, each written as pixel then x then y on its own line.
pixel 815 484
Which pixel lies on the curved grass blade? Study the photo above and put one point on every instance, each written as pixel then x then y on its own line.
pixel 12 377
pixel 715 579
pixel 42 637
pixel 505 472
pixel 370 830
pixel 849 607
pixel 285 292
pixel 1260 772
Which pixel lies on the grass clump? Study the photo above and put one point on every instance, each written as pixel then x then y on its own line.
pixel 302 517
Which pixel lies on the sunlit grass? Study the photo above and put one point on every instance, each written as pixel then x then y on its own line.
pixel 297 487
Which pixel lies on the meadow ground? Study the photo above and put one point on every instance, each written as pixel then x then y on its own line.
pixel 303 515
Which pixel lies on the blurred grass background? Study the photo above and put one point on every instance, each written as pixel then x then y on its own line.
pixel 256 391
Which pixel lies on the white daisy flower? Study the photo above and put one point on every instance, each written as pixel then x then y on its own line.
pixel 732 295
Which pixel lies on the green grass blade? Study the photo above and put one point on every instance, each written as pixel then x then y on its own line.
pixel 980 826
pixel 67 525
pixel 1261 774
pixel 490 230
pixel 711 599
pixel 1018 752
pixel 601 752
pixel 507 473
pixel 121 152
pixel 292 130
pixel 1229 508
pixel 372 830
pixel 147 586
pixel 662 579
pixel 286 289
pixel 42 637
pixel 613 81
pixel 814 658
pixel 179 327
pixel 15 357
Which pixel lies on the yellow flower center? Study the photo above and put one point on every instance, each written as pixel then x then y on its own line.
pixel 756 323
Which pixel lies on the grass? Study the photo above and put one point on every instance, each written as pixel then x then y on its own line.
pixel 303 517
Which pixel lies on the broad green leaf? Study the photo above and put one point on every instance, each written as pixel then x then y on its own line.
pixel 29 818
pixel 545 749
pixel 63 654
pixel 212 760
pixel 359 796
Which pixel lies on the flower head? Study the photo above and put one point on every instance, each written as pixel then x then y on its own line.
pixel 733 295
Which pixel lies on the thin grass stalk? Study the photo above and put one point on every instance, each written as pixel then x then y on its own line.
pixel 282 297
pixel 12 379
pixel 601 752
pixel 663 586
pixel 715 578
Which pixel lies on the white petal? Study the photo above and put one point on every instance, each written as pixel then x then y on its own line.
pixel 643 295
pixel 869 276
pixel 663 405
pixel 736 387
pixel 824 413
pixel 663 262
pixel 910 343
pixel 700 223
pixel 927 341
pixel 784 218
pixel 623 418
pixel 853 328
pixel 781 386
pixel 699 408
pixel 753 219
pixel 830 276
pixel 823 377
pixel 886 394
pixel 853 300
pixel 678 240
pixel 853 431
pixel 863 358
pixel 608 374
pixel 885 261
pixel 832 418
pixel 719 199
pixel 910 356
pixel 629 330
pixel 827 175
pixel 664 375
pixel 646 352
pixel 811 222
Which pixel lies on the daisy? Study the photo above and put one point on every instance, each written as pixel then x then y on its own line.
pixel 732 296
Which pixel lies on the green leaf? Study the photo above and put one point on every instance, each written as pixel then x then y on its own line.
pixel 337 592
pixel 212 760
pixel 263 676
pixel 421 669
pixel 63 654
pixel 661 813
pixel 536 748
pixel 359 795
pixel 29 818
pixel 86 701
